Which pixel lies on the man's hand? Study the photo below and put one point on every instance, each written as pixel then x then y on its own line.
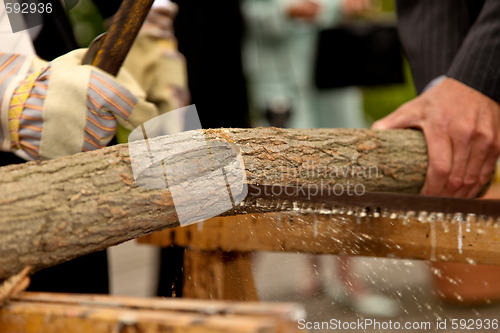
pixel 461 127
pixel 304 9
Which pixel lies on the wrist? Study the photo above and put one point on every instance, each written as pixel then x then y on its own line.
pixel 434 82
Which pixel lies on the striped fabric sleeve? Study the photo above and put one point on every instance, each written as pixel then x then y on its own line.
pixel 105 100
pixel 31 118
pixel 10 65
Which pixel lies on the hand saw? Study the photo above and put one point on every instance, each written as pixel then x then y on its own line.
pixel 392 225
pixel 109 50
pixel 318 199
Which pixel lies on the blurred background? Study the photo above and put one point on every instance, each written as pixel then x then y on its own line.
pixel 378 101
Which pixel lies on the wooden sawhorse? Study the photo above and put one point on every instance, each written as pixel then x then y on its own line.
pixel 217 262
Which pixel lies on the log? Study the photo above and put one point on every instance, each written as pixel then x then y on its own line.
pixel 53 211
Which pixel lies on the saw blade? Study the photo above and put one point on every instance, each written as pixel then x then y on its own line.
pixel 372 203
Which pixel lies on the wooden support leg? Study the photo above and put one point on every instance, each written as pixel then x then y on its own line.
pixel 218 275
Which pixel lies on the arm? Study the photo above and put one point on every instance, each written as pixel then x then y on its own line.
pixel 460 118
pixel 49 110
pixel 477 63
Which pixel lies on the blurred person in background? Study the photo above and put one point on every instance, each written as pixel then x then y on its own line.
pixel 279 53
pixel 279 56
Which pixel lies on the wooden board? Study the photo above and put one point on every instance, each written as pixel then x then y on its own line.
pixel 448 241
pixel 67 313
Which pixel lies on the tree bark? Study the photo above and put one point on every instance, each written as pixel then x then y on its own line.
pixel 53 211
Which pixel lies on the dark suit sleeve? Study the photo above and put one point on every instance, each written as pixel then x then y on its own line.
pixel 432 32
pixel 477 62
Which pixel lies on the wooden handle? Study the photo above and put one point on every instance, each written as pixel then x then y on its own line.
pixel 121 35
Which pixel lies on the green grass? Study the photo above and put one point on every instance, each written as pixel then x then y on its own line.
pixel 87 22
pixel 380 101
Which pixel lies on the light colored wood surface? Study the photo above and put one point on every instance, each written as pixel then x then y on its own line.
pixel 452 241
pixel 66 313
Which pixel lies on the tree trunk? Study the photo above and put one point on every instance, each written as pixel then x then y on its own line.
pixel 53 211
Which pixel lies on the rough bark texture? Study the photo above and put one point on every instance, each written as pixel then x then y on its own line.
pixel 391 161
pixel 56 210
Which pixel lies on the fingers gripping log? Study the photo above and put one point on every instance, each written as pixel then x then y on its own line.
pixel 53 211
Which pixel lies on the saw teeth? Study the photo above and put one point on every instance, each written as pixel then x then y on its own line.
pixel 422 216
pixel 432 217
pixel 285 205
pixel 459 217
pixel 325 211
pixel 470 218
pixel 410 215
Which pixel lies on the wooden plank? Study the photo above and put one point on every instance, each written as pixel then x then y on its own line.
pixel 65 313
pixel 439 240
